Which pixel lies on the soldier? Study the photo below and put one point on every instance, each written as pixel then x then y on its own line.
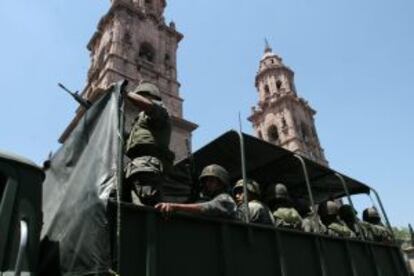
pixel 284 214
pixel 214 180
pixel 349 215
pixel 328 212
pixel 375 230
pixel 148 145
pixel 311 223
pixel 258 213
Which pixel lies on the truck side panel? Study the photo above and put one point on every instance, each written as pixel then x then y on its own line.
pixel 186 245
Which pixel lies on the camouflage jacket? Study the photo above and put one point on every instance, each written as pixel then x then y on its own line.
pixel 258 213
pixel 221 205
pixel 376 232
pixel 339 229
pixel 287 218
pixel 150 134
pixel 310 225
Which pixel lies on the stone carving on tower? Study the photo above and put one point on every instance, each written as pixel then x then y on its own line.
pixel 133 42
pixel 281 117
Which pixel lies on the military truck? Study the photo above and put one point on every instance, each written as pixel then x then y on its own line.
pixel 80 225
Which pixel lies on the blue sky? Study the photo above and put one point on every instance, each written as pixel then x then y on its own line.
pixel 353 62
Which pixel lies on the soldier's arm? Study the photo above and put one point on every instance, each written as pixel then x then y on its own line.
pixel 140 101
pixel 174 207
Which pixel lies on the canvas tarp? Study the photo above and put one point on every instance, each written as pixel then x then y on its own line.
pixel 76 191
pixel 267 164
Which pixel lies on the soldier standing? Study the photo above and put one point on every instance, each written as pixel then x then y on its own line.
pixel 148 145
pixel 375 230
pixel 214 181
pixel 328 212
pixel 258 213
pixel 284 214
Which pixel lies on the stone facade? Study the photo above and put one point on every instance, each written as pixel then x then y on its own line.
pixel 133 42
pixel 281 117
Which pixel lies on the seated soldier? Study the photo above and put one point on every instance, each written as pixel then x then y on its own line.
pixel 214 181
pixel 375 230
pixel 310 223
pixel 328 211
pixel 258 213
pixel 349 215
pixel 284 214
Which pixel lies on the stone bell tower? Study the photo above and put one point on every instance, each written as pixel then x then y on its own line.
pixel 133 42
pixel 281 117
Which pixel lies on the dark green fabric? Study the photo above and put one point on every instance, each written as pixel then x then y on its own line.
pixel 81 177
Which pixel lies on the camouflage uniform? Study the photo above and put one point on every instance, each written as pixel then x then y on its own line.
pixel 375 230
pixel 220 203
pixel 349 216
pixel 147 147
pixel 329 216
pixel 284 214
pixel 258 212
pixel 287 218
pixel 309 225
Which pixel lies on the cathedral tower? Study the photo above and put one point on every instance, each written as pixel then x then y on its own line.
pixel 281 117
pixel 133 42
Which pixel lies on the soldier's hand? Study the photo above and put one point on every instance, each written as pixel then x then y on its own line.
pixel 165 207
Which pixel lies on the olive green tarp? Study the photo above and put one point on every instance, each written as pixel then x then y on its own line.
pixel 267 163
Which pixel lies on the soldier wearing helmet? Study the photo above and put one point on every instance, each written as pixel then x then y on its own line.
pixel 214 181
pixel 349 216
pixel 284 214
pixel 258 212
pixel 329 211
pixel 148 145
pixel 373 226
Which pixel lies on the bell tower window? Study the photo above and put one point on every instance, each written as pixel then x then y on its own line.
pixel 273 133
pixel 147 52
pixel 267 90
pixel 305 133
pixel 278 85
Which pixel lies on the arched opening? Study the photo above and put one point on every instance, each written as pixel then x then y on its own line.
pixel 305 133
pixel 267 90
pixel 259 134
pixel 148 4
pixel 273 133
pixel 167 58
pixel 278 85
pixel 147 52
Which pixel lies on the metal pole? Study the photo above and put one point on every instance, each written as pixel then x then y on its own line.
pixel 342 180
pixel 308 186
pixel 24 234
pixel 121 106
pixel 383 212
pixel 243 169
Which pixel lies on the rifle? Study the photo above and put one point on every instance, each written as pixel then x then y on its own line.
pixel 83 102
pixel 195 188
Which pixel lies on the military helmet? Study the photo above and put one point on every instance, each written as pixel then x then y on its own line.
pixel 147 88
pixel 276 191
pixel 370 214
pixel 332 208
pixel 252 186
pixel 347 211
pixel 215 170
